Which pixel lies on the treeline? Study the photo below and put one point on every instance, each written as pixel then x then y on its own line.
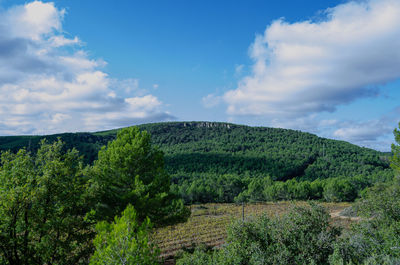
pixel 233 188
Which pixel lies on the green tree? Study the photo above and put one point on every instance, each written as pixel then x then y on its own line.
pixel 395 160
pixel 124 241
pixel 131 171
pixel 43 207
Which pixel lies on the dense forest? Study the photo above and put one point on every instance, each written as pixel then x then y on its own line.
pixel 220 162
pixel 223 162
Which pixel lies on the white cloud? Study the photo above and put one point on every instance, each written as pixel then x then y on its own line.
pixel 308 67
pixel 45 88
pixel 362 131
pixel 58 41
pixel 33 20
pixel 374 133
pixel 211 100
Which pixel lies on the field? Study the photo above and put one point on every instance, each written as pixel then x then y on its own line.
pixel 208 222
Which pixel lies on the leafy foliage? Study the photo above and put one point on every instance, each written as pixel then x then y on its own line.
pixel 337 189
pixel 124 241
pixel 131 171
pixel 43 205
pixel 48 200
pixel 395 160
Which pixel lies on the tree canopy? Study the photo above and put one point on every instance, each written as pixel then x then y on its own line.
pixel 129 170
pixel 43 207
pixel 50 202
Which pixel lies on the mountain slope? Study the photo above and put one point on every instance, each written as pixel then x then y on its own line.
pixel 196 148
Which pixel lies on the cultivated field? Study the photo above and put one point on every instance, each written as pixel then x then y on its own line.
pixel 208 222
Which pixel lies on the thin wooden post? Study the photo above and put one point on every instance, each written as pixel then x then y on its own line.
pixel 243 211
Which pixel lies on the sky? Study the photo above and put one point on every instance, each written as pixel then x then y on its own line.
pixel 331 68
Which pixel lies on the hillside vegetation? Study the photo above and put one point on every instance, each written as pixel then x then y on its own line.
pixel 215 162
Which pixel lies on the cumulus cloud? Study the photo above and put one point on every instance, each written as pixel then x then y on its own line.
pixel 47 87
pixel 313 66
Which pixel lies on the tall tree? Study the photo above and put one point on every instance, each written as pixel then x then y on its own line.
pixel 129 170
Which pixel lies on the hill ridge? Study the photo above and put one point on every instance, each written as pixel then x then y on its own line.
pixel 203 147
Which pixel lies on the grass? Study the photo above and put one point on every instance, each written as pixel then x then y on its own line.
pixel 208 222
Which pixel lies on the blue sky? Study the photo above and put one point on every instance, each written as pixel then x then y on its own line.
pixel 326 67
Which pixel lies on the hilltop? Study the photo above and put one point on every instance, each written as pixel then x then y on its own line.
pixel 223 148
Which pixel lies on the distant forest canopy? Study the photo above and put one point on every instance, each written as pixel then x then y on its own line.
pixel 218 162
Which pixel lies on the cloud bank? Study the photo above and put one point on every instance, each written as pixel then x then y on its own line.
pixel 376 133
pixel 49 84
pixel 313 66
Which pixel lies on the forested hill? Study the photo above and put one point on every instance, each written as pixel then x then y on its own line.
pixel 211 148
